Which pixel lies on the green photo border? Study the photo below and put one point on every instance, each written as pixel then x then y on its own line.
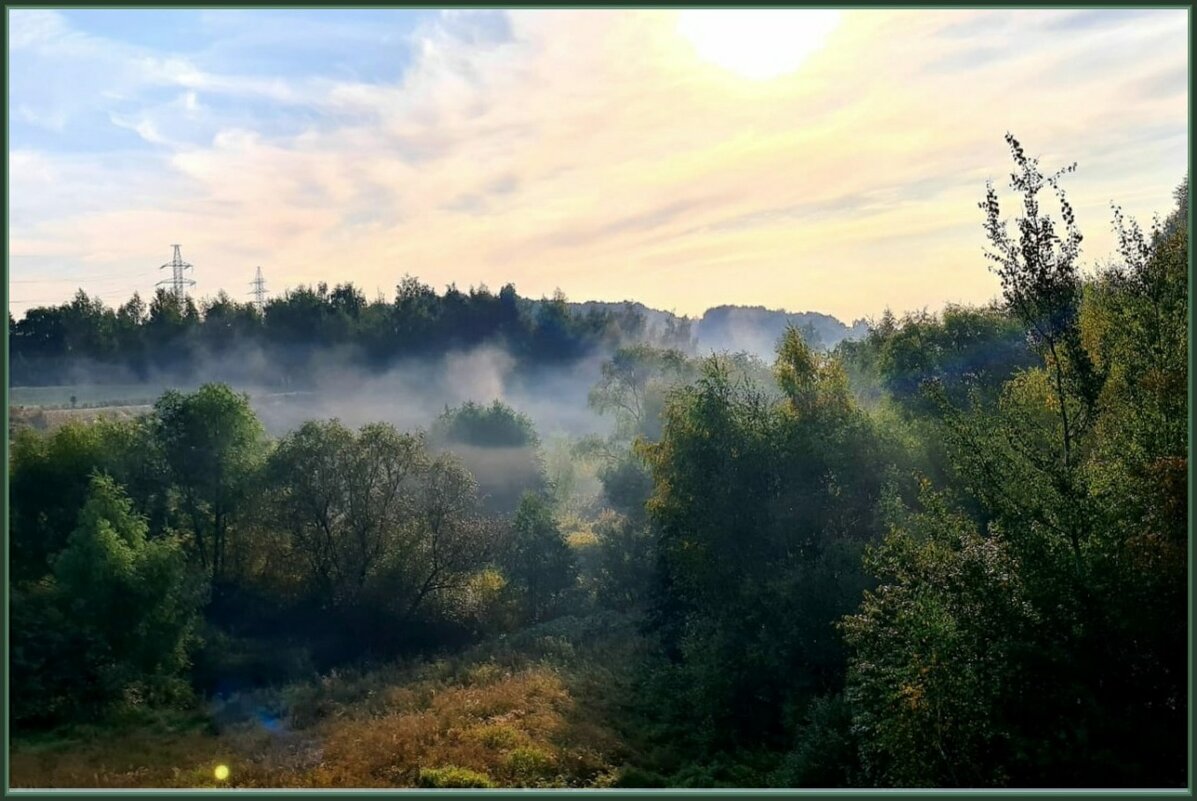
pixel 622 793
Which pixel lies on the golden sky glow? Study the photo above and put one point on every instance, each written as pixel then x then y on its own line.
pixel 761 43
pixel 683 161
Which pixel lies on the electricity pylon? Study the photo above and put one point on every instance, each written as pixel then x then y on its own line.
pixel 177 282
pixel 259 290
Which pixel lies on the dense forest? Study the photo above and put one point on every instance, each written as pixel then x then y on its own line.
pixel 951 552
pixel 300 332
pixel 293 337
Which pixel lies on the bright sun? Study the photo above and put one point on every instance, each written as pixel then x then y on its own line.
pixel 757 44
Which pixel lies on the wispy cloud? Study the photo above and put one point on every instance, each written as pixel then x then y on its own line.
pixel 591 150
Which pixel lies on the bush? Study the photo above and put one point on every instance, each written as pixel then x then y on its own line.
pixel 497 736
pixel 529 765
pixel 494 426
pixel 452 776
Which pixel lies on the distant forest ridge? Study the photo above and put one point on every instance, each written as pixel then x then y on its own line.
pixel 754 329
pixel 293 334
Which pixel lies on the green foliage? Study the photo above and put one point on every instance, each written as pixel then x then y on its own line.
pixel 538 561
pixel 760 510
pixel 500 448
pixel 572 478
pixel 627 484
pixel 113 624
pixel 212 443
pixel 377 527
pixel 632 776
pixel 935 652
pixel 50 476
pixel 826 748
pixel 1023 647
pixel 49 479
pixel 633 386
pixel 301 330
pixel 952 554
pixel 494 426
pixel 453 776
pixel 963 352
pixel 529 765
pixel 626 562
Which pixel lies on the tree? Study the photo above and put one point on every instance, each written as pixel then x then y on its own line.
pixel 344 500
pixel 1024 645
pixel 452 540
pixel 171 328
pixel 633 386
pixel 626 562
pixel 499 446
pixel 121 610
pixel 228 323
pixel 537 560
pixel 49 480
pixel 379 528
pixel 963 352
pixel 760 509
pixel 935 652
pixel 212 442
pixel 50 344
pixel 1041 285
pixel 1023 464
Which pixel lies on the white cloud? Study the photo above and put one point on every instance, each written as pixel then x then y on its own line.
pixel 32 28
pixel 592 150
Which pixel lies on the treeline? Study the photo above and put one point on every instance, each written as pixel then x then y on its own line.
pixel 172 337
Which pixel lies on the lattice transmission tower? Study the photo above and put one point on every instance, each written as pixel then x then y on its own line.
pixel 178 281
pixel 259 290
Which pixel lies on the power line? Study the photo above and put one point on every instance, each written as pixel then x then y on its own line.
pixel 68 300
pixel 72 279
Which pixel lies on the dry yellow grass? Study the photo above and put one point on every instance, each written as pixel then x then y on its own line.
pixel 514 723
pixel 44 419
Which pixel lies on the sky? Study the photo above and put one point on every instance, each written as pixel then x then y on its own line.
pixel 827 161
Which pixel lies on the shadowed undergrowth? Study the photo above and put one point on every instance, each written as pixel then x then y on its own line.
pixel 532 710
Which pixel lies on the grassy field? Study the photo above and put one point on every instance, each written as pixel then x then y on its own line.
pixel 46 408
pixel 84 395
pixel 533 710
pixel 45 419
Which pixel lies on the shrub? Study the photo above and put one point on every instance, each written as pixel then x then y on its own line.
pixel 529 765
pixel 497 736
pixel 452 776
pixel 494 426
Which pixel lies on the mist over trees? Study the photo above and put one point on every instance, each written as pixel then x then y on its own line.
pixel 950 552
pixel 171 336
pixel 305 330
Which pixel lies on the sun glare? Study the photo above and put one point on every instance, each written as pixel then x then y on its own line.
pixel 758 44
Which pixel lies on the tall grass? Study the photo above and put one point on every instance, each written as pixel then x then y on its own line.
pixel 531 710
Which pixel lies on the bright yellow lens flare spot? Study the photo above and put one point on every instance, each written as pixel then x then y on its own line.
pixel 759 44
pixel 222 773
